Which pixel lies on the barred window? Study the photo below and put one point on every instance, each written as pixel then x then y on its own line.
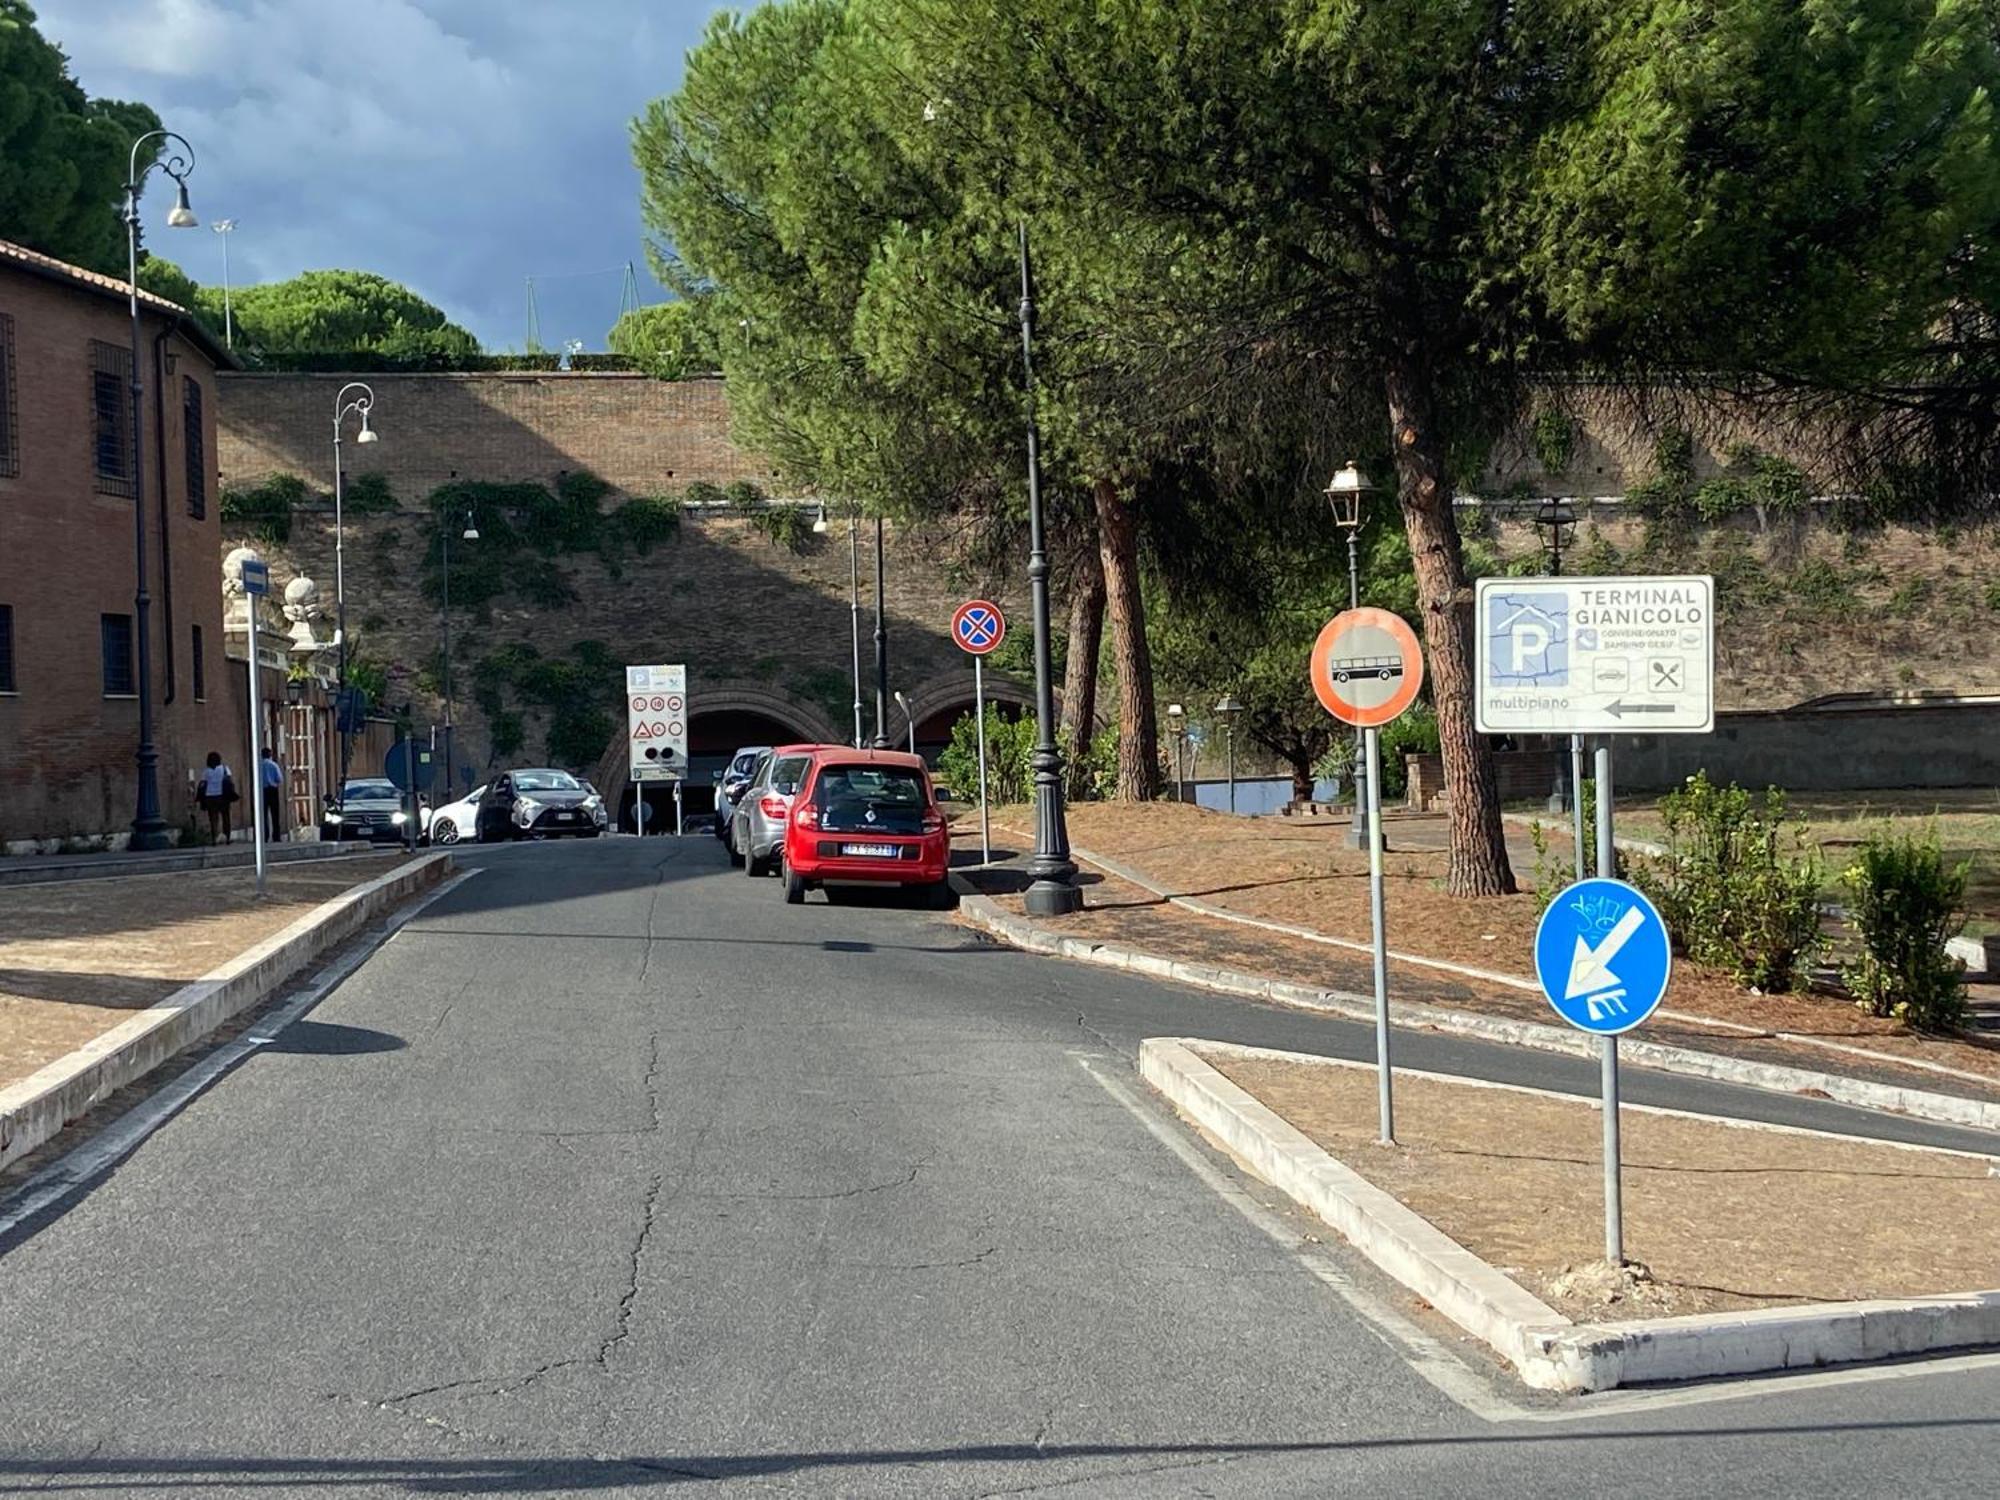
pixel 7 649
pixel 200 669
pixel 111 409
pixel 191 447
pixel 10 436
pixel 120 680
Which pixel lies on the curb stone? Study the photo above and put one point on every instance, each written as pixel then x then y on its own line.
pixel 43 869
pixel 1548 1350
pixel 35 1109
pixel 1780 1078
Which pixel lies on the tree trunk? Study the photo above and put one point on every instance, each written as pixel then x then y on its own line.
pixel 1302 776
pixel 1478 861
pixel 1086 634
pixel 1138 734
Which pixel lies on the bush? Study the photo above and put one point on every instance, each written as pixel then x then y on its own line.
pixel 1010 743
pixel 1729 896
pixel 265 510
pixel 366 494
pixel 1907 905
pixel 701 492
pixel 744 494
pixel 645 521
pixel 1413 733
pixel 787 526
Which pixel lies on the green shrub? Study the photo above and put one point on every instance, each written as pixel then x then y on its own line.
pixel 644 522
pixel 577 736
pixel 264 511
pixel 701 492
pixel 1906 905
pixel 507 734
pixel 1414 733
pixel 744 494
pixel 1010 743
pixel 1555 440
pixel 787 526
pixel 366 494
pixel 1731 896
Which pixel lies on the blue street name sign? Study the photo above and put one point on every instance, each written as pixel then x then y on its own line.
pixel 1602 956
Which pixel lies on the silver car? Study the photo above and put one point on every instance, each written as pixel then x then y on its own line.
pixel 758 827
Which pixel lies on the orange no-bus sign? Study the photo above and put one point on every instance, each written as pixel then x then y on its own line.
pixel 1367 667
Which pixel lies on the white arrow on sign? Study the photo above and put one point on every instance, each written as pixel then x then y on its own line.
pixel 1590 968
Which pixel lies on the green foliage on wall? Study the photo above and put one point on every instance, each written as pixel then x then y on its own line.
pixel 787 526
pixel 366 494
pixel 265 510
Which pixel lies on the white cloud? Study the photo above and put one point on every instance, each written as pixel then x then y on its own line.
pixel 456 145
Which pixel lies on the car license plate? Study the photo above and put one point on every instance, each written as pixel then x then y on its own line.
pixel 567 817
pixel 873 851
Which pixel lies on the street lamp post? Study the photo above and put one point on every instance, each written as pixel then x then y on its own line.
pixel 1052 891
pixel 1227 710
pixel 1344 496
pixel 909 719
pixel 853 601
pixel 470 534
pixel 1557 520
pixel 224 228
pixel 881 650
pixel 149 828
pixel 1177 734
pixel 362 401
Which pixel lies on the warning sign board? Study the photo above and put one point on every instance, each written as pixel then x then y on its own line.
pixel 656 722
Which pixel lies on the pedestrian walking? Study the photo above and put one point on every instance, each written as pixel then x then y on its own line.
pixel 217 795
pixel 274 797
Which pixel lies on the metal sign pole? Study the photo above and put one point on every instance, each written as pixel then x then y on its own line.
pixel 979 710
pixel 1576 797
pixel 1372 749
pixel 1607 864
pixel 679 830
pixel 256 750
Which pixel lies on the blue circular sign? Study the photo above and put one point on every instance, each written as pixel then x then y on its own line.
pixel 978 627
pixel 1603 956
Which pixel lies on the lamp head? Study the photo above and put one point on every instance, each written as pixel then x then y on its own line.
pixel 471 532
pixel 1176 717
pixel 181 216
pixel 1228 708
pixel 367 434
pixel 1344 493
pixel 819 521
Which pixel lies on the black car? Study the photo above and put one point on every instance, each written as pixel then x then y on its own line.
pixel 730 783
pixel 538 802
pixel 372 809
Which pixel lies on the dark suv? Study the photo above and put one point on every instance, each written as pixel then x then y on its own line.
pixel 372 809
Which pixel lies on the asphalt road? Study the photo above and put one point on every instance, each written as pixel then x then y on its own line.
pixel 612 1174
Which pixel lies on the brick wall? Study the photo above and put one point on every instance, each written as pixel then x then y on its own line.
pixel 643 436
pixel 66 557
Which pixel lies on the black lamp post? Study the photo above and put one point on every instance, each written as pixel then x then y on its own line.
pixel 1052 873
pixel 470 534
pixel 881 651
pixel 1556 520
pixel 1226 711
pixel 149 828
pixel 1345 496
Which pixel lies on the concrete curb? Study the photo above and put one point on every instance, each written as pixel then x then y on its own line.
pixel 35 1109
pixel 31 869
pixel 1548 1350
pixel 1779 1078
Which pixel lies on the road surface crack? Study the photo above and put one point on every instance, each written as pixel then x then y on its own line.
pixel 854 1192
pixel 634 1274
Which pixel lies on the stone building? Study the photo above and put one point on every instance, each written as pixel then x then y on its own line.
pixel 69 709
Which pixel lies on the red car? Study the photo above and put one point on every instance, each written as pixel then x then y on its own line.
pixel 869 816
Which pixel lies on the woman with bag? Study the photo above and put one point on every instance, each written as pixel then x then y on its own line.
pixel 216 794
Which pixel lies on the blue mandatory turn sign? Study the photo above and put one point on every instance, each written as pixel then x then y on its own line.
pixel 1602 956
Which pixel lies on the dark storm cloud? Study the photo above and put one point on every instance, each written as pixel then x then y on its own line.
pixel 456 145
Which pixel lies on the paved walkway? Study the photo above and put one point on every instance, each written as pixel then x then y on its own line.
pixel 112 864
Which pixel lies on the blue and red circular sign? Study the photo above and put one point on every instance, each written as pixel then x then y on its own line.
pixel 978 627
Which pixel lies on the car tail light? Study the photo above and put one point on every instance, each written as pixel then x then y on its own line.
pixel 805 815
pixel 933 820
pixel 772 806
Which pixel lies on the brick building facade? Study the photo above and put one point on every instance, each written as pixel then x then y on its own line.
pixel 638 434
pixel 69 711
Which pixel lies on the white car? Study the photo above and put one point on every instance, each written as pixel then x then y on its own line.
pixel 455 820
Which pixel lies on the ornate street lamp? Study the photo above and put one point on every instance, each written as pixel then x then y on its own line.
pixel 1227 710
pixel 1557 521
pixel 1345 497
pixel 1053 891
pixel 361 400
pixel 1177 732
pixel 149 828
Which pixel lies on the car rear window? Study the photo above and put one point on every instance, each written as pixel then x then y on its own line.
pixel 787 773
pixel 885 799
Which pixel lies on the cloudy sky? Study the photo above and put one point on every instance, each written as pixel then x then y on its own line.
pixel 461 146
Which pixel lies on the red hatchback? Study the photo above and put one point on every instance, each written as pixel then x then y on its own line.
pixel 869 816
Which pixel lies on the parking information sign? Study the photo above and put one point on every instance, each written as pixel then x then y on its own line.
pixel 1595 655
pixel 656 722
pixel 1602 955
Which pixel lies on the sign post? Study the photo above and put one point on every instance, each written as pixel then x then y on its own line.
pixel 656 719
pixel 256 584
pixel 1366 669
pixel 1598 656
pixel 979 628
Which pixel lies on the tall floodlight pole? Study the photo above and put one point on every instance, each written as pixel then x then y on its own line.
pixel 355 396
pixel 149 828
pixel 1053 891
pixel 853 600
pixel 881 650
pixel 225 228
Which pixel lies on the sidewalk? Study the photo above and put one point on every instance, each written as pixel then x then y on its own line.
pixel 1286 900
pixel 40 869
pixel 78 959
